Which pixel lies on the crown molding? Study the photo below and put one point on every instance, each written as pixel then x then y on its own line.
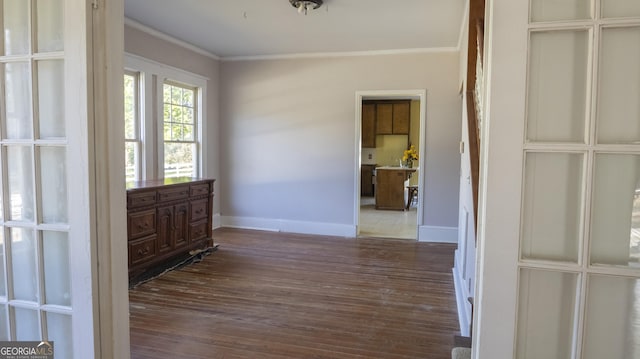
pixel 161 35
pixel 153 32
pixel 340 54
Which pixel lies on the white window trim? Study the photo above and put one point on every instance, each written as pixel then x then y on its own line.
pixel 139 160
pixel 153 73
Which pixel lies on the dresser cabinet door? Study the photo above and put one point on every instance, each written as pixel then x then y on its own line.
pixel 181 221
pixel 165 228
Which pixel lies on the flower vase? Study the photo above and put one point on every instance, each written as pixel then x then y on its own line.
pixel 409 164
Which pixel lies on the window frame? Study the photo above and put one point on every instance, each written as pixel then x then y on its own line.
pixel 196 133
pixel 153 75
pixel 137 125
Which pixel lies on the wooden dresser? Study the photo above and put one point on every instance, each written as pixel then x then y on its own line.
pixel 166 219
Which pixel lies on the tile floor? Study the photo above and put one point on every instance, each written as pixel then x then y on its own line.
pixel 386 224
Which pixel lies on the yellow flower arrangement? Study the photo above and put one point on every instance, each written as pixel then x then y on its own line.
pixel 410 155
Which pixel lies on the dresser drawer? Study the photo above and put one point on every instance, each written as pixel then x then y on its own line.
pixel 170 194
pixel 141 199
pixel 199 190
pixel 198 230
pixel 142 250
pixel 198 210
pixel 141 223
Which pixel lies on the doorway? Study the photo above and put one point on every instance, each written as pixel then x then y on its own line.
pixel 388 190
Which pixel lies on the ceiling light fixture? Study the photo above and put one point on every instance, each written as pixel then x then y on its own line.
pixel 304 5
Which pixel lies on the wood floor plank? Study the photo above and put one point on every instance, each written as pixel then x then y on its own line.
pixel 275 295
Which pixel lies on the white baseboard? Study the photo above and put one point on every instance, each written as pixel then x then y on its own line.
pixel 438 234
pixel 282 225
pixel 217 221
pixel 464 307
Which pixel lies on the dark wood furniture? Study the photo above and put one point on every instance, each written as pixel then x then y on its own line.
pixel 393 117
pixel 390 185
pixel 166 219
pixel 367 188
pixel 368 125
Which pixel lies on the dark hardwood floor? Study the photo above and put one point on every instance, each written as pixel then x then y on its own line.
pixel 274 295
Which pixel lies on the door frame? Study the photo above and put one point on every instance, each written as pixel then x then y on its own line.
pixel 389 94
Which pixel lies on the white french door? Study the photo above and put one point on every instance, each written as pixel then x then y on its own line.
pixel 49 278
pixel 559 229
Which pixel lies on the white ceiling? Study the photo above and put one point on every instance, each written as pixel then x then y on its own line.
pixel 240 28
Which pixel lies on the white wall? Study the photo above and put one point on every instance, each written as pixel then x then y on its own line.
pixel 287 138
pixel 143 44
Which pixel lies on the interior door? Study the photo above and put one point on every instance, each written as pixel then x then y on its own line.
pixel 559 268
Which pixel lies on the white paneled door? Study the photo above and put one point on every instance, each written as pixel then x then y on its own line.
pixel 559 273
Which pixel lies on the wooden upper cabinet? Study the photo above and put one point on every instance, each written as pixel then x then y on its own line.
pixel 392 117
pixel 384 119
pixel 368 125
pixel 401 118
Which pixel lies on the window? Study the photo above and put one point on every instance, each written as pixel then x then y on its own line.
pixel 131 126
pixel 164 109
pixel 179 124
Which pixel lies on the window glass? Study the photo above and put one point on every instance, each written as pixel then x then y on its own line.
pixel 131 127
pixel 179 131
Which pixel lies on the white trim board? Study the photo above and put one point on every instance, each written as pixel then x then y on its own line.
pixel 421 95
pixel 462 293
pixel 161 35
pixel 314 55
pixel 289 226
pixel 438 234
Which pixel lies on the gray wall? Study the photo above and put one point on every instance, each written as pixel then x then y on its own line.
pixel 287 136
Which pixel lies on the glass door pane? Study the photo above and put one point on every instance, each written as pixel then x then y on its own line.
pixel 619 86
pixel 615 214
pixel 557 91
pixel 21 194
pixel 57 326
pixel 546 314
pixel 24 268
pixel 51 98
pixel 53 181
pixel 620 8
pixel 17 100
pixel 57 283
pixel 50 25
pixel 554 10
pixel 16 27
pixel 612 318
pixel 552 201
pixel 27 324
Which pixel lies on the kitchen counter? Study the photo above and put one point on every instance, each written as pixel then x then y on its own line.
pixel 391 182
pixel 413 169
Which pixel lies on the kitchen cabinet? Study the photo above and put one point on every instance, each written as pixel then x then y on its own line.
pixel 393 117
pixel 368 125
pixel 367 186
pixel 166 219
pixel 401 118
pixel 390 187
pixel 384 119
